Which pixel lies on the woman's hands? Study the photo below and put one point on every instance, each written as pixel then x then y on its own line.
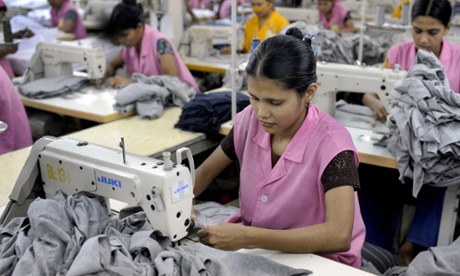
pixel 227 236
pixel 119 82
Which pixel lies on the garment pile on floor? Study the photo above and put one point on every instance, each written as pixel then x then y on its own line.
pixel 56 86
pixel 207 112
pixel 424 123
pixel 149 95
pixel 68 235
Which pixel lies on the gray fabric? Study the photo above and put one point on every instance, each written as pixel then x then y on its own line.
pixel 212 213
pixel 53 86
pixel 76 236
pixel 424 123
pixel 149 95
pixel 344 48
pixel 342 105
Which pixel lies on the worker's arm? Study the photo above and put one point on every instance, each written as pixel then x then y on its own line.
pixel 69 21
pixel 209 169
pixel 334 235
pixel 167 60
pixel 6 49
pixel 373 101
pixel 113 65
pixel 349 27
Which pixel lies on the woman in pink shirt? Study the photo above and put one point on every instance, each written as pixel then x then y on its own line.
pixel 382 204
pixel 297 164
pixel 12 112
pixel 335 16
pixel 146 51
pixel 64 15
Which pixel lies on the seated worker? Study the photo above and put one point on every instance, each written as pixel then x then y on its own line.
pixel 10 49
pixel 335 16
pixel 283 205
pixel 201 4
pixel 145 51
pixel 430 22
pixel 64 15
pixel 12 112
pixel 225 8
pixel 265 23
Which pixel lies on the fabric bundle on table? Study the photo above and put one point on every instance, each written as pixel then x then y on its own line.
pixel 207 112
pixel 56 86
pixel 71 236
pixel 424 125
pixel 149 95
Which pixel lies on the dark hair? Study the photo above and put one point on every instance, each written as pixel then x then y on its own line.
pixel 126 15
pixel 439 9
pixel 286 59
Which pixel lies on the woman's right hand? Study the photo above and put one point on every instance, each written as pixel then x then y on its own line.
pixel 380 112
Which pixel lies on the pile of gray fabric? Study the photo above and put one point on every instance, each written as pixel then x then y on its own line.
pixel 149 95
pixel 424 123
pixel 344 48
pixel 68 235
pixel 56 86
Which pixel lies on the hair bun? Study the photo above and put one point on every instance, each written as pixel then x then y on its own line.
pixel 295 32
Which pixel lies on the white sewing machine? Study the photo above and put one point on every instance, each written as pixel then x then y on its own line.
pixel 162 188
pixel 57 57
pixel 309 16
pixel 202 38
pixel 97 12
pixel 333 77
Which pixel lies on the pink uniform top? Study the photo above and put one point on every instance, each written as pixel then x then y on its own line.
pixel 6 65
pixel 225 9
pixel 2 4
pixel 148 63
pixel 291 194
pixel 79 29
pixel 405 53
pixel 195 4
pixel 12 112
pixel 339 13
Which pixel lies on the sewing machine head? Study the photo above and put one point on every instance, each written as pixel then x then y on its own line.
pixel 58 57
pixel 163 189
pixel 202 38
pixel 333 78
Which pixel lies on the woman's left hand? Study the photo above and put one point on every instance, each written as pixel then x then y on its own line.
pixel 118 82
pixel 227 236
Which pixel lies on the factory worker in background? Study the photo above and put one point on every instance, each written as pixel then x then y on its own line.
pixel 64 16
pixel 335 16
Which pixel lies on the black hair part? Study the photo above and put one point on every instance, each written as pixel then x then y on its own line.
pixel 439 9
pixel 286 59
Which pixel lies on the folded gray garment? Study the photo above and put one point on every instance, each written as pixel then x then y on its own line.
pixel 342 105
pixel 211 213
pixel 150 94
pixel 423 124
pixel 53 86
pixel 70 236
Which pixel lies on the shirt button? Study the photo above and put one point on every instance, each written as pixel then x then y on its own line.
pixel 264 198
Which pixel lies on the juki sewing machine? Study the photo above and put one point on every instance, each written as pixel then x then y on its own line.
pixel 162 188
pixel 333 77
pixel 57 57
pixel 201 38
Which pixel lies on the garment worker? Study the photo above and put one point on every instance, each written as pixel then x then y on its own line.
pixel 6 49
pixel 12 112
pixel 265 22
pixel 225 8
pixel 201 4
pixel 145 51
pixel 65 16
pixel 382 202
pixel 335 16
pixel 297 164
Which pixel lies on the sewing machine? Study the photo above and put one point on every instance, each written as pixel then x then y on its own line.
pixel 202 38
pixel 57 57
pixel 334 77
pixel 309 16
pixel 97 12
pixel 162 188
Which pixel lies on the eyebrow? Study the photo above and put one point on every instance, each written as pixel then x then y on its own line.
pixel 268 99
pixel 429 30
